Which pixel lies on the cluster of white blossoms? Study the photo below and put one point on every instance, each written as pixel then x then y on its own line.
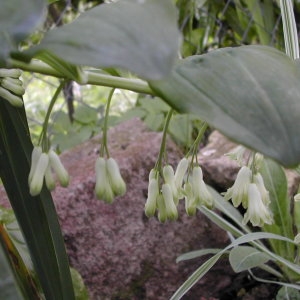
pixel 42 167
pixel 109 182
pixel 11 87
pixel 165 198
pixel 250 192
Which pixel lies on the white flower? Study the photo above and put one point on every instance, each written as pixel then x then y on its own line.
pixel 169 178
pixel 59 169
pixel 103 189
pixel 201 194
pixel 151 203
pixel 35 155
pixel 239 191
pixel 180 173
pixel 171 209
pixel 190 203
pixel 258 180
pixel 117 183
pixel 258 213
pixel 37 179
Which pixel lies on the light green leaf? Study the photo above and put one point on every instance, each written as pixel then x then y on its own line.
pixel 18 18
pixel 288 293
pixel 249 93
pixel 140 36
pixel 243 258
pixel 276 183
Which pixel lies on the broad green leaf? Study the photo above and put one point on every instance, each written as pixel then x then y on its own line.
pixel 36 215
pixel 243 258
pixel 288 293
pixel 18 18
pixel 249 93
pixel 140 36
pixel 276 183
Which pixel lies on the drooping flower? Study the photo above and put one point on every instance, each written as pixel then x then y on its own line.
pixel 103 189
pixel 59 169
pixel 41 167
pixel 37 178
pixel 258 180
pixel 257 213
pixel 201 194
pixel 169 177
pixel 109 182
pixel 151 203
pixel 180 172
pixel 239 191
pixel 117 183
pixel 190 203
pixel 171 209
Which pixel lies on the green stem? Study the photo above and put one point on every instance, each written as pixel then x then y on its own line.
pixel 105 126
pixel 135 85
pixel 195 146
pixel 43 136
pixel 158 164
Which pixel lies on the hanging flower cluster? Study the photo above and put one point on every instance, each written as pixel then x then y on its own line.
pixel 249 191
pixel 11 87
pixel 42 166
pixel 109 182
pixel 165 198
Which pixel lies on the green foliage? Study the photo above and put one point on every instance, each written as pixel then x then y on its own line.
pixel 249 93
pixel 106 42
pixel 222 85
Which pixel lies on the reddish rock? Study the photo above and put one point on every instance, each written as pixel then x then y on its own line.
pixel 120 253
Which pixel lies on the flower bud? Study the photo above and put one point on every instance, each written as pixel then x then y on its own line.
pixel 35 155
pixel 171 208
pixel 103 189
pixel 162 211
pixel 15 73
pixel 10 85
pixel 59 169
pixel 153 192
pixel 117 183
pixel 36 183
pixel 152 174
pixel 180 172
pixel 49 179
pixel 190 205
pixel 169 178
pixel 11 98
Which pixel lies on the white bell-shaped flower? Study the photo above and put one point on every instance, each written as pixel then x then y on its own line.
pixel 239 191
pixel 257 213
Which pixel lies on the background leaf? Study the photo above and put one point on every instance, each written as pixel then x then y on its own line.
pixel 249 93
pixel 243 258
pixel 18 18
pixel 140 36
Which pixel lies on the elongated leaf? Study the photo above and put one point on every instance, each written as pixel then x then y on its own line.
pixel 140 36
pixel 243 258
pixel 18 18
pixel 247 238
pixel 276 183
pixel 249 93
pixel 9 290
pixel 36 215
